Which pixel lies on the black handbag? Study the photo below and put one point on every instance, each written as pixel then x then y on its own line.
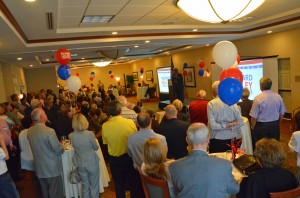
pixel 247 164
pixel 74 176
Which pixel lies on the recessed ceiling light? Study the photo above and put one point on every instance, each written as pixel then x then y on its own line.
pixel 195 30
pixel 114 33
pixel 82 58
pixel 269 32
pixel 136 46
pixel 19 58
pixel 47 59
pixel 97 19
pixel 160 50
pixel 30 0
pixel 147 41
pixel 207 45
pixel 30 65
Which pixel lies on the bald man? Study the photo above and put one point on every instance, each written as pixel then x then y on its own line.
pixel 198 108
pixel 175 132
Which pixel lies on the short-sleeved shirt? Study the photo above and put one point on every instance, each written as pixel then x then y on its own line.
pixel 267 107
pixel 115 134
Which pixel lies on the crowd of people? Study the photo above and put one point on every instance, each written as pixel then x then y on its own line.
pixel 175 150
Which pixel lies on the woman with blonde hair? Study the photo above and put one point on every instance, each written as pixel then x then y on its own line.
pixel 180 114
pixel 85 157
pixel 155 162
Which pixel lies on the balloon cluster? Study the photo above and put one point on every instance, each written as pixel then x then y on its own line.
pixel 63 57
pixel 142 70
pixel 230 88
pixel 185 65
pixel 110 74
pixel 201 70
pixel 92 76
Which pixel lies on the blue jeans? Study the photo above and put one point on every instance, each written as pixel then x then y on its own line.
pixel 7 187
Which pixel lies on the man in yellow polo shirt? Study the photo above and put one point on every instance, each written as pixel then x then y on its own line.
pixel 115 133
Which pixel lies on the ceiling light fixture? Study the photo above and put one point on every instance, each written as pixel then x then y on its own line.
pixel 47 59
pixel 269 32
pixel 97 19
pixel 82 58
pixel 30 0
pixel 195 30
pixel 218 11
pixel 102 63
pixel 147 41
pixel 19 59
pixel 30 65
pixel 136 46
pixel 114 33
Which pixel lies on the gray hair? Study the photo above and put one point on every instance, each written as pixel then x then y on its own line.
pixel 265 83
pixel 246 93
pixel 36 114
pixel 197 134
pixel 201 94
pixel 123 101
pixel 171 110
pixel 215 86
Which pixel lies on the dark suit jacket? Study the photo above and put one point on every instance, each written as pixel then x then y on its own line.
pixel 266 180
pixel 201 176
pixel 175 132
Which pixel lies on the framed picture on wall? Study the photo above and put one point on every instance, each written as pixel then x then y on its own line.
pixel 149 75
pixel 135 76
pixel 189 78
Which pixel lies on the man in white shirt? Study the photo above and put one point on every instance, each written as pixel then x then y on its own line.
pixel 7 186
pixel 127 113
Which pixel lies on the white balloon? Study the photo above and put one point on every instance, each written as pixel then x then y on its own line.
pixel 73 83
pixel 224 54
pixel 235 65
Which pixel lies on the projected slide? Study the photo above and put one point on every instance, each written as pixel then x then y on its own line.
pixel 163 75
pixel 252 72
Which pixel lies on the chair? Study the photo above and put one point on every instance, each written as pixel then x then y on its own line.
pixel 295 121
pixel 154 188
pixel 294 193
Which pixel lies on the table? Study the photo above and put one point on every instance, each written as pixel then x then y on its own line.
pixel 140 93
pixel 159 116
pixel 247 138
pixel 74 190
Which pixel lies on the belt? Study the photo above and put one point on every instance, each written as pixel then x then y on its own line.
pixel 267 123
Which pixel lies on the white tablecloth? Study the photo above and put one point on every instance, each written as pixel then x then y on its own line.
pixel 74 190
pixel 141 91
pixel 247 139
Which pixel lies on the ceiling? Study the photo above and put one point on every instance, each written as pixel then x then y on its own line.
pixel 25 32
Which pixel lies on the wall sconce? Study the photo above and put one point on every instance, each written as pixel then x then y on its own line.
pixel 142 76
pixel 118 78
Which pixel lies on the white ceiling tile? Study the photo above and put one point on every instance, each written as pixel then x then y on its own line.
pixel 153 18
pixel 146 2
pixel 103 10
pixel 68 25
pixel 166 10
pixel 129 10
pixel 145 23
pixel 120 23
pixel 66 20
pixel 125 18
pixel 72 2
pixel 169 3
pixel 108 2
pixel 71 11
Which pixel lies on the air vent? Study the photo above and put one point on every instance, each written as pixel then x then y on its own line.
pixel 49 19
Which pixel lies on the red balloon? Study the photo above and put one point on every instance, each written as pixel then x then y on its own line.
pixel 63 56
pixel 201 64
pixel 112 76
pixel 184 72
pixel 238 59
pixel 91 78
pixel 232 72
pixel 77 74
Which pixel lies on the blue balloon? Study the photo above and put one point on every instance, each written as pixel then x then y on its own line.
pixel 201 72
pixel 230 90
pixel 109 72
pixel 93 74
pixel 63 72
pixel 185 65
pixel 141 71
